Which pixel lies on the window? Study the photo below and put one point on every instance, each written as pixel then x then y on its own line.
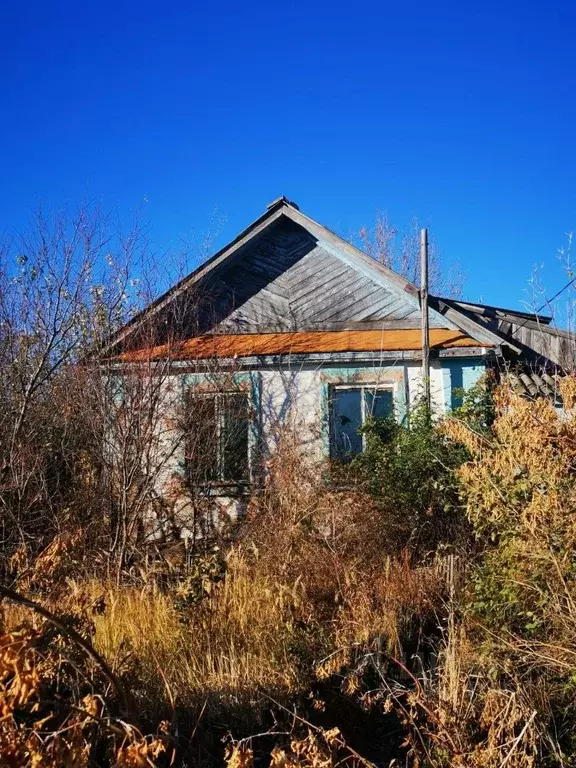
pixel 217 429
pixel 351 407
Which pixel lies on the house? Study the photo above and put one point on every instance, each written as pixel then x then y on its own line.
pixel 290 325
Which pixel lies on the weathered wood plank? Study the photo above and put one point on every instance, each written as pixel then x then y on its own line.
pixel 352 303
pixel 287 281
pixel 260 308
pixel 230 345
pixel 256 282
pixel 247 326
pixel 308 280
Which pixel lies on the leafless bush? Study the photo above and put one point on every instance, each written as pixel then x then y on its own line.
pixel 87 438
pixel 400 251
pixel 64 287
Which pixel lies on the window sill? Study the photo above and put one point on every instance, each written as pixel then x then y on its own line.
pixel 232 489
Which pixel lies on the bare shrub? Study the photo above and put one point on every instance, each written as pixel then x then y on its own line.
pixel 400 251
pixel 87 437
pixel 64 288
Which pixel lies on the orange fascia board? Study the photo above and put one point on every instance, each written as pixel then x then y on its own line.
pixel 256 344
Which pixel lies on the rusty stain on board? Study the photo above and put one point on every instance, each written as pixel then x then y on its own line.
pixel 253 345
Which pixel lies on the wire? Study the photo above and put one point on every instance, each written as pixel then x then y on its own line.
pixel 546 303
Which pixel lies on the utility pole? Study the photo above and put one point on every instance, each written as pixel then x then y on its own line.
pixel 425 319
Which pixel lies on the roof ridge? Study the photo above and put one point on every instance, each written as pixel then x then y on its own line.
pixel 282 200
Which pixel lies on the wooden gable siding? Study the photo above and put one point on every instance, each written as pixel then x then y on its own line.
pixel 286 272
pixel 252 345
pixel 288 280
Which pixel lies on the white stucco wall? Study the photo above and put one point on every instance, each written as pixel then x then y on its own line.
pixel 297 398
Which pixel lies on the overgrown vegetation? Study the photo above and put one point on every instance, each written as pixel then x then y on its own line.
pixel 409 469
pixel 415 607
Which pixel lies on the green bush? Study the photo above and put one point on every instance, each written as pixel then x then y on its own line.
pixel 409 470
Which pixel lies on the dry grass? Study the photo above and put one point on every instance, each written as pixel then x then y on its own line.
pixel 258 634
pixel 228 647
pixel 306 593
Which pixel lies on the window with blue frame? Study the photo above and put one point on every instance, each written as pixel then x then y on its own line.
pixel 351 407
pixel 217 438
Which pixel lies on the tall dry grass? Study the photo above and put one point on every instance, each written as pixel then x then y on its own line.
pixel 314 612
pixel 236 642
pixel 302 605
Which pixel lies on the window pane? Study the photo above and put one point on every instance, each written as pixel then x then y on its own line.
pixel 379 403
pixel 346 421
pixel 234 422
pixel 201 446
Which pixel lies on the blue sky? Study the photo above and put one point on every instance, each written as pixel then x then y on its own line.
pixel 462 114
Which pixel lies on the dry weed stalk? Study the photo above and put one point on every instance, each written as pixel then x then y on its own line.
pixel 502 694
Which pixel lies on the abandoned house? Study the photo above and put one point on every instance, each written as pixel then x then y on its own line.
pixel 290 326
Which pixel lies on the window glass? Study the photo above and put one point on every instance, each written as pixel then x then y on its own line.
pixel 346 422
pixel 234 437
pixel 201 444
pixel 217 437
pixel 350 410
pixel 379 403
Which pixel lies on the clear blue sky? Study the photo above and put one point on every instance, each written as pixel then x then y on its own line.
pixel 460 113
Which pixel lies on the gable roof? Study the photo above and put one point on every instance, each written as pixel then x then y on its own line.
pixel 355 288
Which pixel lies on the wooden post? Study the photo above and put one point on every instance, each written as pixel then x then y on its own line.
pixel 425 319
